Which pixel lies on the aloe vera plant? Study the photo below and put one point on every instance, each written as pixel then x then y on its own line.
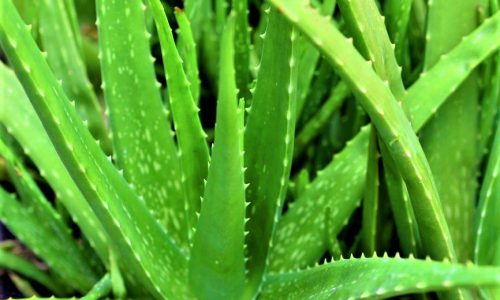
pixel 318 155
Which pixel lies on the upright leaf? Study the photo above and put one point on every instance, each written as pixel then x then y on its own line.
pixel 144 146
pixel 193 150
pixel 268 153
pixel 487 245
pixel 60 41
pixel 216 265
pixel 187 50
pixel 457 121
pixel 151 254
pixel 387 116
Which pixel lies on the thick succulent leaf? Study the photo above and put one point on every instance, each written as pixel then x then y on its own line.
pixel 198 13
pixel 242 47
pixel 486 41
pixel 187 51
pixel 376 278
pixel 373 42
pixel 142 139
pixel 457 121
pixel 434 86
pixel 193 150
pixel 50 222
pixel 23 123
pixel 371 38
pixel 388 118
pixel 100 290
pixel 397 14
pixel 490 107
pixel 487 245
pixel 371 198
pixel 491 99
pixel 301 235
pixel 404 217
pixel 151 255
pixel 24 225
pixel 216 265
pixel 70 8
pixel 23 267
pixel 268 153
pixel 64 57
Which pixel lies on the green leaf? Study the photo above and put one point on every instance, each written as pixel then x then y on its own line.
pixel 486 35
pixel 74 265
pixel 23 267
pixel 187 51
pixel 242 47
pixel 457 120
pixel 151 255
pixel 25 226
pixel 268 153
pixel 371 199
pixel 100 289
pixel 487 227
pixel 216 265
pixel 23 123
pixel 373 41
pixel 301 235
pixel 144 146
pixel 64 58
pixel 388 117
pixel 376 278
pixel 193 150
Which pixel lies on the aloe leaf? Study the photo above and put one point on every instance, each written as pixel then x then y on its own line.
pixel 24 225
pixel 313 127
pixel 217 270
pixel 242 47
pixel 457 119
pixel 376 278
pixel 404 216
pixel 187 50
pixel 65 60
pixel 486 34
pixel 397 15
pixel 23 123
pixel 389 119
pixel 370 35
pixel 487 245
pixel 300 235
pixel 434 86
pixel 100 289
pixel 198 13
pixel 21 266
pixel 371 198
pixel 193 150
pixel 268 154
pixel 117 283
pixel 142 139
pixel 70 9
pixel 365 20
pixel 489 107
pixel 151 255
pixel 38 207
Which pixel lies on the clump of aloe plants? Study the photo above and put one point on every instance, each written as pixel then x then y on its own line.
pixel 244 149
